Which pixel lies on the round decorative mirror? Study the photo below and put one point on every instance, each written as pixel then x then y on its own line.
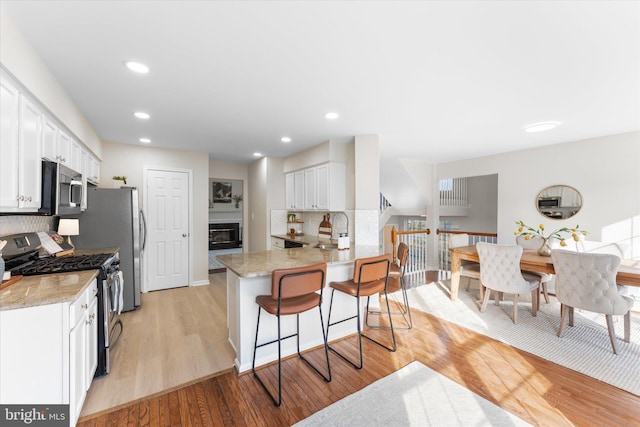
pixel 559 202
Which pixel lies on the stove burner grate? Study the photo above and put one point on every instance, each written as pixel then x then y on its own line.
pixel 64 264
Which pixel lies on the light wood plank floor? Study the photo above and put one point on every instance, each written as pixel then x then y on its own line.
pixel 175 337
pixel 532 388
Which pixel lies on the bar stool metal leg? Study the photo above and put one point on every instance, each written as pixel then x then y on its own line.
pixel 293 278
pixel 349 287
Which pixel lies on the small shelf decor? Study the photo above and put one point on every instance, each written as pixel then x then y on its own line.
pixel 122 179
pixel 544 250
pixel 237 198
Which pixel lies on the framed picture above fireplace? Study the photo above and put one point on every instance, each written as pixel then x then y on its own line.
pixel 221 191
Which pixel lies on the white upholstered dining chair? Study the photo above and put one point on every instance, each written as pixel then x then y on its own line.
pixel 468 269
pixel 534 243
pixel 587 281
pixel 500 272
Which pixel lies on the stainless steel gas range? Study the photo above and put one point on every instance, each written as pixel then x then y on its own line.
pixel 22 257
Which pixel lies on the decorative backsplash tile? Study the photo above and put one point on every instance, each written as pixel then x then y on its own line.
pixel 278 221
pixel 24 224
pixel 312 222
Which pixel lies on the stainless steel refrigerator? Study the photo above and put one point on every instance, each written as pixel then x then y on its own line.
pixel 113 218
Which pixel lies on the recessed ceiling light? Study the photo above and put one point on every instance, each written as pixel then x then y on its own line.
pixel 285 139
pixel 145 140
pixel 137 67
pixel 331 116
pixel 256 154
pixel 541 127
pixel 141 115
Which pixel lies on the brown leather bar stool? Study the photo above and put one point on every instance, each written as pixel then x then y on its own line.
pixel 370 277
pixel 396 271
pixel 293 291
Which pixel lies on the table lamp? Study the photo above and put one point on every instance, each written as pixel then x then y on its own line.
pixel 69 227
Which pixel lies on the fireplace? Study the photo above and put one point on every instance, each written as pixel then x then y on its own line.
pixel 224 236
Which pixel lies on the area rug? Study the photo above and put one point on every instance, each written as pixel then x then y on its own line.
pixel 413 396
pixel 584 348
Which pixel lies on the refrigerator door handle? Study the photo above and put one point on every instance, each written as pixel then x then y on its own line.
pixel 144 230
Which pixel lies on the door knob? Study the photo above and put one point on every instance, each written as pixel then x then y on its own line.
pixel 184 234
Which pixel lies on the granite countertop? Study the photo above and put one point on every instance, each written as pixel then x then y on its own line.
pixel 262 263
pixel 32 291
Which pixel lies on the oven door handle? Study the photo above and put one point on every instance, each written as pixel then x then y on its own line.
pixel 118 285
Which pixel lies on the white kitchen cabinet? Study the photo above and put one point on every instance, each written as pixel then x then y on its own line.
pixel 277 243
pixel 9 144
pixel 91 362
pixel 289 185
pixel 20 144
pixel 75 156
pixel 310 189
pixel 52 356
pixel 93 170
pixel 294 190
pixel 324 187
pixel 49 140
pixel 64 148
pixel 77 362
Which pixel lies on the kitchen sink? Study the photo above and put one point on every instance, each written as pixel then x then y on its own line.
pixel 326 246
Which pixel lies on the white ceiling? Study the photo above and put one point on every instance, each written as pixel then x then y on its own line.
pixel 438 81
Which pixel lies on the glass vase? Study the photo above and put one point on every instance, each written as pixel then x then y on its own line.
pixel 544 249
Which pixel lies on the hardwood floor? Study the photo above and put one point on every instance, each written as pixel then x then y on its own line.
pixel 176 336
pixel 532 388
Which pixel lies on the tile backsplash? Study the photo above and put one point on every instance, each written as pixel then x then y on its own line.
pixel 24 224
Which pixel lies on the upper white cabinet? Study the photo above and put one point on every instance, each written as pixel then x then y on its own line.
pixel 64 148
pixel 20 144
pixel 75 156
pixel 49 140
pixel 58 146
pixel 320 188
pixel 294 184
pixel 94 170
pixel 289 185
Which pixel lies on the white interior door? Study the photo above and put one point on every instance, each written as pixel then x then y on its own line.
pixel 167 253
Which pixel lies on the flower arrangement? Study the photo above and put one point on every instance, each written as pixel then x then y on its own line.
pixel 120 178
pixel 237 198
pixel 530 232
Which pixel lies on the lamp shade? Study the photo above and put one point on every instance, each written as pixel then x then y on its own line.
pixel 69 227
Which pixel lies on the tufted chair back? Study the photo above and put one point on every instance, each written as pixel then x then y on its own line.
pixel 500 268
pixel 533 243
pixel 588 281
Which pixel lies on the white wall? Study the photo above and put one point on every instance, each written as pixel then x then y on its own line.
pixel 129 160
pixel 482 196
pixel 257 225
pixel 606 171
pixel 22 61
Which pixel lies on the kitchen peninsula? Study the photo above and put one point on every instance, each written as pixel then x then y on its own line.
pixel 249 275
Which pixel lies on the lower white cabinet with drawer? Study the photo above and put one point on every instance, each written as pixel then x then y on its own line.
pixel 48 353
pixel 277 243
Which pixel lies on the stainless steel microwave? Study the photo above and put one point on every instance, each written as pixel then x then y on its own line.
pixel 61 190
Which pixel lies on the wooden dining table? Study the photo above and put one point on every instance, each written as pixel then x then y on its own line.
pixel 628 272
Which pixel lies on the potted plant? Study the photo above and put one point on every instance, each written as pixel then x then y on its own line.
pixel 119 178
pixel 237 198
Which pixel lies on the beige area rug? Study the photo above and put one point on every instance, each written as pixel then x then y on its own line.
pixel 413 396
pixel 584 348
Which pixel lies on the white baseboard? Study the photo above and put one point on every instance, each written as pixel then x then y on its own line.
pixel 201 283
